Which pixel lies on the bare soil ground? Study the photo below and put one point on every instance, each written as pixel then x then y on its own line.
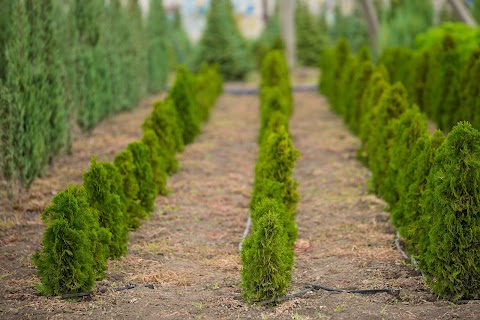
pixel 189 248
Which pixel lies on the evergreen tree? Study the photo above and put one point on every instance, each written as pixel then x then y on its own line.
pixel 406 216
pixel 274 73
pixel 183 98
pixel 266 41
pixel 221 43
pixel 157 162
pixel 359 87
pixel 156 29
pixel 7 139
pixel 310 40
pixel 449 250
pixel 274 102
pixel 131 187
pixel 143 172
pixel 6 14
pixel 178 39
pixel 104 194
pixel 469 107
pixel 267 257
pixel 164 122
pixel 411 126
pixel 419 74
pixel 74 252
pixel 391 106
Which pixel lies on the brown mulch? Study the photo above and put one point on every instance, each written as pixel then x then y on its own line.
pixel 189 248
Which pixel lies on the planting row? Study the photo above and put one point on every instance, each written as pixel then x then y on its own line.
pixel 430 182
pixel 267 253
pixel 441 74
pixel 88 224
pixel 72 62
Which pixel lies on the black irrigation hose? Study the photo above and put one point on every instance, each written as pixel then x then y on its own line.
pixel 316 287
pixel 89 293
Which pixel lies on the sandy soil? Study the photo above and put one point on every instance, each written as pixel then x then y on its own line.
pixel 188 249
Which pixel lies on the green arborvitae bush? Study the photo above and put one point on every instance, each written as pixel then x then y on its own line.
pixel 397 61
pixel 103 185
pixel 184 101
pixel 222 44
pixel 342 54
pixel 7 139
pixel 411 126
pixel 310 38
pixel 144 175
pixel 156 29
pixel 392 105
pixel 469 107
pixel 360 83
pixel 164 122
pixel 178 39
pixel 6 12
pixel 131 187
pixel 406 215
pixel 274 102
pixel 449 252
pixel 276 162
pixel 157 160
pixel 274 73
pixel 261 46
pixel 419 74
pixel 326 75
pixel 267 257
pixel 74 250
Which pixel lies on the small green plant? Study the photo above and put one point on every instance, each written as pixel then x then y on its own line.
pixel 274 73
pixel 267 257
pixel 157 160
pixel 273 106
pixel 449 250
pixel 103 185
pixel 75 247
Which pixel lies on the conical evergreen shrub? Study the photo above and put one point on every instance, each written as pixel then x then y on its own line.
pixel 156 29
pixel 274 102
pixel 126 167
pixel 75 248
pixel 157 160
pixel 419 73
pixel 411 126
pixel 103 185
pixel 222 44
pixel 406 216
pixel 274 73
pixel 144 175
pixel 184 101
pixel 449 252
pixel 342 54
pixel 391 106
pixel 267 257
pixel 469 107
pixel 164 121
pixel 360 83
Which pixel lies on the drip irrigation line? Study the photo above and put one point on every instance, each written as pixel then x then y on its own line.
pixel 245 233
pixel 316 287
pixel 405 255
pixel 256 91
pixel 90 293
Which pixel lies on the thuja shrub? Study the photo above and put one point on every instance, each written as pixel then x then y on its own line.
pixel 406 215
pixel 391 106
pixel 183 99
pixel 406 130
pixel 157 160
pixel 267 257
pixel 75 250
pixel 470 107
pixel 126 167
pixel 450 252
pixel 274 73
pixel 359 86
pixel 103 185
pixel 143 172
pixel 274 102
pixel 418 79
pixel 342 54
pixel 164 121
pixel 326 76
pixel 276 162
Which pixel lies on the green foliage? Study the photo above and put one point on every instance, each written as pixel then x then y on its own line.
pixel 418 77
pixel 6 12
pixel 267 40
pixel 131 186
pixel 157 160
pixel 274 102
pixel 351 27
pixel 392 105
pixel 182 95
pixel 156 29
pixel 208 88
pixel 360 83
pixel 143 172
pixel 310 39
pixel 274 73
pixel 397 61
pixel 178 40
pixel 266 255
pixel 449 250
pixel 342 54
pixel 103 185
pixel 74 252
pixel 222 43
pixel 411 126
pixel 406 215
pixel 470 104
pixel 163 120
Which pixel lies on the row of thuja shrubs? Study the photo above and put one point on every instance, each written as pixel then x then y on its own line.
pixel 88 224
pixel 267 253
pixel 440 73
pixel 430 182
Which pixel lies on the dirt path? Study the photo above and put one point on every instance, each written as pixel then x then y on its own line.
pixel 188 249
